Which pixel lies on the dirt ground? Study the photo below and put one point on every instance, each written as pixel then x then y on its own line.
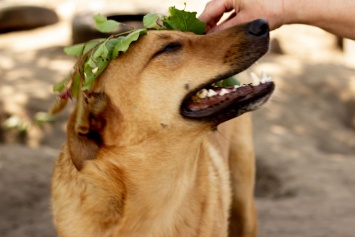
pixel 304 137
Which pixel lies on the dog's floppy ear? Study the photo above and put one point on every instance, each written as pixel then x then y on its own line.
pixel 86 126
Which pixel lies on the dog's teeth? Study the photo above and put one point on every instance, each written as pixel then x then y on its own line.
pixel 253 75
pixel 211 93
pixel 202 94
pixel 256 79
pixel 255 83
pixel 223 92
pixel 235 87
pixel 265 78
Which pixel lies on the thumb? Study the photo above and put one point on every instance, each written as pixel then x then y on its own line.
pixel 238 19
pixel 214 10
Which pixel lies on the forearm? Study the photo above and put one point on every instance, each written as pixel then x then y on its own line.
pixel 337 17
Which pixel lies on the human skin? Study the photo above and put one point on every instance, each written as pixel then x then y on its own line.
pixel 337 17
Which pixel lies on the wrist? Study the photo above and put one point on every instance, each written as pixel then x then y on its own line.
pixel 298 12
pixel 305 12
pixel 280 13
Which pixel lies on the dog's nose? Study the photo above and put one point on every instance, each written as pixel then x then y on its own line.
pixel 258 28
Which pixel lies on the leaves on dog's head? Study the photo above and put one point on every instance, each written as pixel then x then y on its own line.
pixel 95 55
pixel 184 21
pixel 153 21
pixel 75 50
pixel 104 25
pixel 177 20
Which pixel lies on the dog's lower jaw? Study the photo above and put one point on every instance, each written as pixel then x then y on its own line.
pixel 167 196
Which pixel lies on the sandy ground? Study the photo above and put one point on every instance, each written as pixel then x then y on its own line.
pixel 304 138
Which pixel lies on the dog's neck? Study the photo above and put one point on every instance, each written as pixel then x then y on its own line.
pixel 166 181
pixel 158 168
pixel 151 182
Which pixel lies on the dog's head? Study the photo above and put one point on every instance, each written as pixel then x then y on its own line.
pixel 158 86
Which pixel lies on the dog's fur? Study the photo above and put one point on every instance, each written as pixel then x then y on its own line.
pixel 133 166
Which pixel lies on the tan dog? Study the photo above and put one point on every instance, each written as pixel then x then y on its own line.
pixel 148 160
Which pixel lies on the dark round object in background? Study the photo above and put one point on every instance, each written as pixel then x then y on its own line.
pixel 26 18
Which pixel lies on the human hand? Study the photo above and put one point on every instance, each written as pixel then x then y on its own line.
pixel 244 11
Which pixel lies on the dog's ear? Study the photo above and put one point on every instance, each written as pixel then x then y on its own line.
pixel 86 127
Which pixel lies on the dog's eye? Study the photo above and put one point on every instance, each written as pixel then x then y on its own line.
pixel 173 46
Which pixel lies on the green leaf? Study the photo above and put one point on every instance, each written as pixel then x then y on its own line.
pixel 79 110
pixel 89 45
pixel 110 44
pixel 184 21
pixel 229 82
pixel 60 86
pixel 90 62
pixel 76 85
pixel 88 72
pixel 91 76
pixel 104 25
pixel 101 51
pixel 99 19
pixel 150 21
pixel 124 42
pixel 88 69
pixel 118 47
pixel 75 50
pixel 135 35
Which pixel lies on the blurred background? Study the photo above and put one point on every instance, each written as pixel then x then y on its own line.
pixel 304 137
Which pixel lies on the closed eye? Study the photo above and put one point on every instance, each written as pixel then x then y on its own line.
pixel 170 47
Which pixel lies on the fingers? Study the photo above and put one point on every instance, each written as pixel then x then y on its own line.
pixel 244 11
pixel 214 11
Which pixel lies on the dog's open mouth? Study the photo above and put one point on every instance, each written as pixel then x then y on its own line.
pixel 218 103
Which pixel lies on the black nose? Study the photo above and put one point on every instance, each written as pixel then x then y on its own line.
pixel 258 28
